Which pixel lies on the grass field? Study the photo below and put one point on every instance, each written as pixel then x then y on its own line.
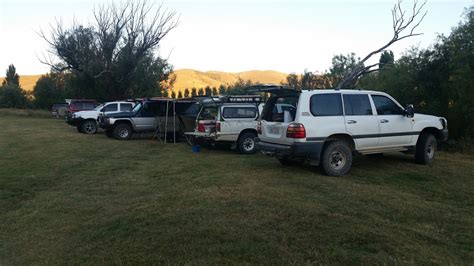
pixel 69 198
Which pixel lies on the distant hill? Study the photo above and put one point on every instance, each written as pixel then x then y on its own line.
pixel 27 82
pixel 189 78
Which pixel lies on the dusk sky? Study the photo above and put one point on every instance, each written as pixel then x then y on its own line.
pixel 225 35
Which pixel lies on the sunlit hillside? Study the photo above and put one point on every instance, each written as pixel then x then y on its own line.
pixel 27 82
pixel 189 78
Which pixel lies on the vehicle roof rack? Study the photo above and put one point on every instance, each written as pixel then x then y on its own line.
pixel 271 88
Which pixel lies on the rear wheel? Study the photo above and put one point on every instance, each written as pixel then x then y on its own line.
pixel 122 132
pixel 246 143
pixel 89 127
pixel 425 149
pixel 337 159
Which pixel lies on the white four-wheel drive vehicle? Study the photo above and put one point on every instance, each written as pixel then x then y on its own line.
pixel 326 127
pixel 229 119
pixel 86 121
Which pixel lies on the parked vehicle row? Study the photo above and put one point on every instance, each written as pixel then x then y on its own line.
pixel 325 128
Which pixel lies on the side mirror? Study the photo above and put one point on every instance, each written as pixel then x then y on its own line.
pixel 409 110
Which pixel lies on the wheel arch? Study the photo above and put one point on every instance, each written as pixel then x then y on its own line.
pixel 430 130
pixel 123 121
pixel 340 137
pixel 247 130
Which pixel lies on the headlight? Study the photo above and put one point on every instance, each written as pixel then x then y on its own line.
pixel 444 122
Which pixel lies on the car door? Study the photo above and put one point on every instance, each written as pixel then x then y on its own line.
pixel 360 121
pixel 274 122
pixel 145 119
pixel 235 119
pixel 110 108
pixel 396 129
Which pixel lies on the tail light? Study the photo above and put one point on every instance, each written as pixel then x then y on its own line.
pixel 259 127
pixel 218 126
pixel 296 131
pixel 201 127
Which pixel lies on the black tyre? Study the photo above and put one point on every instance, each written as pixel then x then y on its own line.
pixel 246 143
pixel 109 133
pixel 425 149
pixel 89 127
pixel 336 159
pixel 79 129
pixel 290 161
pixel 122 132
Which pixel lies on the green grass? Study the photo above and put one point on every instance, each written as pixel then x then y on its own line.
pixel 69 198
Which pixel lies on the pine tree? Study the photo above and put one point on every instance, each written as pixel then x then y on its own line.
pixel 11 77
pixel 180 95
pixel 186 93
pixel 193 92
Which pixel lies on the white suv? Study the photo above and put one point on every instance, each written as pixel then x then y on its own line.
pixel 86 121
pixel 326 127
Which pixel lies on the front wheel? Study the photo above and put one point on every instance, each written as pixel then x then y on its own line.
pixel 337 159
pixel 246 143
pixel 122 132
pixel 89 127
pixel 425 149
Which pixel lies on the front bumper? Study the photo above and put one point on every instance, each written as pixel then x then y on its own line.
pixel 296 150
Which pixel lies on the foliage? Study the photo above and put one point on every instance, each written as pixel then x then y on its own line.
pixel 11 77
pixel 114 57
pixel 49 89
pixel 438 80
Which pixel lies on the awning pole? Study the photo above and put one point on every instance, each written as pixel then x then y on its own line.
pixel 166 119
pixel 174 121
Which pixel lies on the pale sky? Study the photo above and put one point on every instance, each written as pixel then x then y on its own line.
pixel 234 36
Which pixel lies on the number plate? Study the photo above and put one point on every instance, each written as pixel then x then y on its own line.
pixel 274 130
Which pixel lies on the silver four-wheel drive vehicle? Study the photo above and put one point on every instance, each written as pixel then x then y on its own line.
pixel 229 119
pixel 86 121
pixel 327 127
pixel 160 115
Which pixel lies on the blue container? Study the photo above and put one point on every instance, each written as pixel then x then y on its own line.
pixel 196 148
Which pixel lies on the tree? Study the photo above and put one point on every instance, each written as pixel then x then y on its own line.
pixel 49 89
pixel 214 91
pixel 186 93
pixel 341 65
pixel 208 91
pixel 387 59
pixel 201 92
pixel 293 81
pixel 180 95
pixel 193 92
pixel 114 57
pixel 222 90
pixel 173 94
pixel 12 96
pixel 11 77
pixel 403 27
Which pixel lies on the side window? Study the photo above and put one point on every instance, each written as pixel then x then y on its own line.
pixel 328 104
pixel 239 112
pixel 357 104
pixel 125 107
pixel 385 106
pixel 111 108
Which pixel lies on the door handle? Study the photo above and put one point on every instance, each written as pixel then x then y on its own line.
pixel 351 122
pixel 384 121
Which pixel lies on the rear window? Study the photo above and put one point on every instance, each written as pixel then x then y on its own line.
pixel 275 107
pixel 208 113
pixel 357 104
pixel 88 106
pixel 328 104
pixel 239 112
pixel 125 107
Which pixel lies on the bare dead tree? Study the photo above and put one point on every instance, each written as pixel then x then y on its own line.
pixel 114 45
pixel 404 26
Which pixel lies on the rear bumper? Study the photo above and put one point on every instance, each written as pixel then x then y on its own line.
pixel 310 150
